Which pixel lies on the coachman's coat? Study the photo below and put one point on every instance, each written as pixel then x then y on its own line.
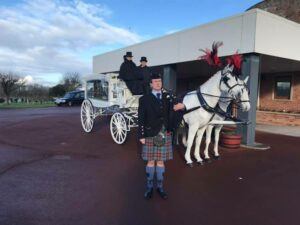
pixel 129 74
pixel 145 73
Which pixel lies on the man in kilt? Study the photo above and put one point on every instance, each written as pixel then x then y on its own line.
pixel 155 126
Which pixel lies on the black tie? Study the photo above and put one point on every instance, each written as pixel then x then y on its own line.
pixel 158 95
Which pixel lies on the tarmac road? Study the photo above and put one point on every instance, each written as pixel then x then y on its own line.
pixel 51 172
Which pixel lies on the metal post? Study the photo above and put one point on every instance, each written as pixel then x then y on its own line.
pixel 251 68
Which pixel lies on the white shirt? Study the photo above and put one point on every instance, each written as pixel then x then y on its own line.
pixel 157 92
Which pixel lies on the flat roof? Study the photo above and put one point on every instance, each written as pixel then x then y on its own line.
pixel 252 31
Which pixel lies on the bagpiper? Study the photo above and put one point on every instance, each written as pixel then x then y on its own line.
pixel 155 126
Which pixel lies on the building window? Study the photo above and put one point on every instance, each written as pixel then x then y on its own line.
pixel 283 86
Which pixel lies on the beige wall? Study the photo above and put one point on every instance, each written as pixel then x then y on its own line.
pixel 236 32
pixel 253 31
pixel 277 36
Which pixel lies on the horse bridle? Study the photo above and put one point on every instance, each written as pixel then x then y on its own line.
pixel 225 79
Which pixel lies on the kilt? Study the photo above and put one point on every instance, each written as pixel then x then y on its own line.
pixel 151 152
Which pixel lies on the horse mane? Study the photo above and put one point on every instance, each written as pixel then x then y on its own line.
pixel 210 82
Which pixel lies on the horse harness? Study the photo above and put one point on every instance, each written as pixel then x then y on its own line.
pixel 216 110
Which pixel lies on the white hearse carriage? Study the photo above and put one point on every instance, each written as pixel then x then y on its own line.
pixel 106 95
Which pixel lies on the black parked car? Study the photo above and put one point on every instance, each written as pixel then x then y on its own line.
pixel 71 98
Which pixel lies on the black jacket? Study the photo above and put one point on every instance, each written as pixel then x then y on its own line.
pixel 153 113
pixel 129 74
pixel 145 73
pixel 128 71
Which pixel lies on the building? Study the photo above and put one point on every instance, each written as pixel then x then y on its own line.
pixel 270 47
pixel 283 109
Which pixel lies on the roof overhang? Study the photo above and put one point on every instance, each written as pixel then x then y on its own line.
pixel 253 31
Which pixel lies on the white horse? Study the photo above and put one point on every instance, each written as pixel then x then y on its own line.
pixel 197 120
pixel 223 103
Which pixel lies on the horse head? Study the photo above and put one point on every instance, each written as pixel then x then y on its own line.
pixel 243 100
pixel 234 87
pixel 230 83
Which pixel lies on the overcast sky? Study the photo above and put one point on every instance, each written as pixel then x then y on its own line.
pixel 43 39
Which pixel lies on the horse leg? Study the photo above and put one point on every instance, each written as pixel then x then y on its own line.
pixel 183 138
pixel 216 146
pixel 207 142
pixel 192 131
pixel 198 143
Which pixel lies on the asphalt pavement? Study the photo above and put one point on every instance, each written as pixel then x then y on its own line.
pixel 52 173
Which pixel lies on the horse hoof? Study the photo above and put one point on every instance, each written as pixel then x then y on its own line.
pixel 200 163
pixel 217 157
pixel 190 165
pixel 208 160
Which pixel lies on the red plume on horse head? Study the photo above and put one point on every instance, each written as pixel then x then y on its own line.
pixel 235 60
pixel 211 56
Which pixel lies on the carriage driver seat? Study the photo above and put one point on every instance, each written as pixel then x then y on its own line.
pixel 130 100
pixel 135 86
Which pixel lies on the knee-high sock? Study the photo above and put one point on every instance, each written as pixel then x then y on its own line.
pixel 159 176
pixel 150 175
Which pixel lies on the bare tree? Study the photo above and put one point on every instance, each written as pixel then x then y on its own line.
pixel 9 83
pixel 39 92
pixel 57 91
pixel 71 81
pixel 20 91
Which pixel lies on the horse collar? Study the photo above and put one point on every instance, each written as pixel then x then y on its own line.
pixel 203 103
pixel 215 110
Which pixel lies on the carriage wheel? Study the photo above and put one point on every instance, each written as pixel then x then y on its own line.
pixel 118 128
pixel 87 116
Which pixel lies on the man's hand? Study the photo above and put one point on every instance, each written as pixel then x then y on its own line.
pixel 143 141
pixel 178 106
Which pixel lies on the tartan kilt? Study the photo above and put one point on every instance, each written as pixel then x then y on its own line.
pixel 151 152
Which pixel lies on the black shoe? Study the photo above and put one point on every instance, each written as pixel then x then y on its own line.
pixel 161 193
pixel 148 194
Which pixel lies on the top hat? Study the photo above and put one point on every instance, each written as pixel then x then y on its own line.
pixel 128 54
pixel 143 59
